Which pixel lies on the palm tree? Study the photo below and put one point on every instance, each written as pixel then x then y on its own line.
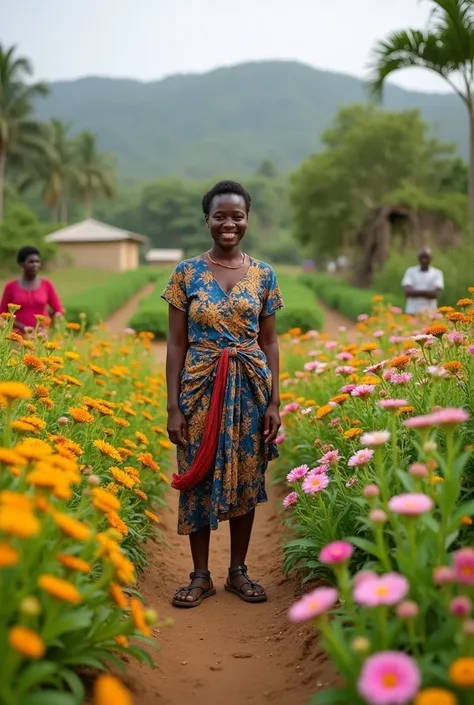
pixel 22 137
pixel 95 172
pixel 446 47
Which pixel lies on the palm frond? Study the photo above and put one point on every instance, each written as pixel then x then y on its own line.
pixel 453 22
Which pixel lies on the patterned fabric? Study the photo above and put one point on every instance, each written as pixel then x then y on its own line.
pixel 217 320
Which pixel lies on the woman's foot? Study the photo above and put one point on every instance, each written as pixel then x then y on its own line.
pixel 198 589
pixel 239 583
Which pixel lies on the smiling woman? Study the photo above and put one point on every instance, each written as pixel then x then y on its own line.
pixel 223 397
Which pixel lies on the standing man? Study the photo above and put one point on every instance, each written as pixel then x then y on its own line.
pixel 422 285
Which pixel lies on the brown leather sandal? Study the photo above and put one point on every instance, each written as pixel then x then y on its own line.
pixel 242 570
pixel 202 575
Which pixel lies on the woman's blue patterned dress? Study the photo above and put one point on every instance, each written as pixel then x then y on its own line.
pixel 217 320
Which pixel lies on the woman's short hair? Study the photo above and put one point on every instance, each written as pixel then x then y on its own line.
pixel 225 187
pixel 25 252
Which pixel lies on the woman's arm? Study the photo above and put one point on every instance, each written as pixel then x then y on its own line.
pixel 8 298
pixel 54 302
pixel 176 350
pixel 268 342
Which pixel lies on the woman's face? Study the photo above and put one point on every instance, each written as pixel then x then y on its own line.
pixel 227 220
pixel 31 266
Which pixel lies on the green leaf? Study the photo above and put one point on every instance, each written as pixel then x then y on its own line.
pixel 72 622
pixel 35 674
pixel 365 545
pixel 50 697
pixel 333 696
pixel 74 683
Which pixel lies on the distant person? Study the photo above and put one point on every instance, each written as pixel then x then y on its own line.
pixel 422 285
pixel 33 294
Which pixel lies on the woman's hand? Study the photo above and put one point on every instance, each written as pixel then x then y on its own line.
pixel 271 423
pixel 177 428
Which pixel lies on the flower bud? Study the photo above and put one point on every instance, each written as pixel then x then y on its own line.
pixel 63 421
pixel 430 447
pixel 371 491
pixel 407 610
pixel 93 480
pixel 460 606
pixel 418 470
pixel 468 627
pixel 360 645
pixel 444 575
pixel 151 616
pixel 378 516
pixel 30 606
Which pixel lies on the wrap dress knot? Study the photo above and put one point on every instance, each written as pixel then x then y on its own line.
pixel 225 388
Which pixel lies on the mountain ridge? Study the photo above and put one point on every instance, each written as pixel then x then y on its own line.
pixel 229 119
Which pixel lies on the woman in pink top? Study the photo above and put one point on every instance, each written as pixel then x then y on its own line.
pixel 33 294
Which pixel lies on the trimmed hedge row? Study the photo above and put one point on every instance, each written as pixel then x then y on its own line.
pixel 343 297
pixel 101 301
pixel 301 309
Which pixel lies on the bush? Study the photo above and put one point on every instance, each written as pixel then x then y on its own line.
pixel 100 302
pixel 343 297
pixel 378 434
pixel 21 227
pixel 301 310
pixel 80 483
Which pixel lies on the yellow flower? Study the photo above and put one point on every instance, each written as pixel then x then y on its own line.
pixel 72 355
pixel 23 427
pixel 141 494
pixel 81 415
pixel 352 433
pixel 323 411
pixel 435 696
pixel 108 689
pixel 26 642
pixel 104 501
pixel 41 390
pixel 59 588
pixel 466 521
pixel 123 477
pixel 123 423
pixel 74 563
pixel 72 527
pixel 10 458
pixel 340 398
pixel 8 555
pixel 122 640
pixel 73 326
pixel 18 523
pixel 368 347
pixel 461 672
pixel 141 438
pixel 166 444
pixel 106 449
pixel 35 421
pixel 116 522
pixel 33 449
pixel 14 390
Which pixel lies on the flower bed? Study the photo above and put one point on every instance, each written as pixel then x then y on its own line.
pixel 340 296
pixel 300 310
pixel 376 451
pixel 99 302
pixel 81 475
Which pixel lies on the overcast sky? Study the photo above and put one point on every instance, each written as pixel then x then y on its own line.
pixel 149 39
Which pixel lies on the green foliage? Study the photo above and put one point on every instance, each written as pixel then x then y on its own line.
pixel 370 157
pixel 273 110
pixel 99 302
pixel 21 227
pixel 455 263
pixel 301 309
pixel 349 300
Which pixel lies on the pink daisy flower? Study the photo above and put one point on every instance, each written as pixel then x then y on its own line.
pixel 290 499
pixel 392 404
pixel 297 473
pixel 347 388
pixel 279 440
pixel 364 575
pixel 336 552
pixel 294 406
pixel 389 678
pixel 379 333
pixel 313 604
pixel 345 370
pixel 436 371
pixel 396 310
pixel 449 417
pixel 410 504
pixel 363 391
pixel 320 469
pixel 329 458
pixel 401 378
pixel 470 350
pixel 361 457
pixel 388 589
pixel 456 338
pixel 375 439
pixel 344 356
pixel 464 565
pixel 331 344
pixel 315 482
pixel 362 316
pixel 444 575
pixel 375 368
pixel 460 606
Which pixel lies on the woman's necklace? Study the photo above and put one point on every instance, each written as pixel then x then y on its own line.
pixel 227 266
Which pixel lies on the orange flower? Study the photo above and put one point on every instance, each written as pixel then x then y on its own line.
pixel 33 362
pixel 33 449
pixel 323 411
pixel 74 563
pixel 123 423
pixel 454 367
pixel 455 317
pixel 141 494
pixel 26 642
pixel 116 522
pixel 104 501
pixel 166 444
pixel 72 527
pixel 138 615
pixel 152 517
pixel 10 458
pixel 59 588
pixel 15 522
pixel 461 672
pixel 465 303
pixel 141 438
pixel 81 415
pixel 352 433
pixel 73 326
pixel 123 478
pixel 14 390
pixel 108 689
pixel 368 347
pixel 118 596
pixel 400 362
pixel 147 460
pixel 8 555
pixel 122 641
pixel 340 398
pixel 406 410
pixel 437 331
pixel 41 390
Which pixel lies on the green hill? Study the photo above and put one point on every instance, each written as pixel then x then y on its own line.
pixel 228 120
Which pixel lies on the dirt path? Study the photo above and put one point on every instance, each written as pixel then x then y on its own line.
pixel 119 320
pixel 227 649
pixel 334 321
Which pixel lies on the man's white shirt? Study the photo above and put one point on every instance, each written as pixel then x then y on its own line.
pixel 428 280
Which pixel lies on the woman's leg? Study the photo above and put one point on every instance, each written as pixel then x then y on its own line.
pixel 240 533
pixel 199 541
